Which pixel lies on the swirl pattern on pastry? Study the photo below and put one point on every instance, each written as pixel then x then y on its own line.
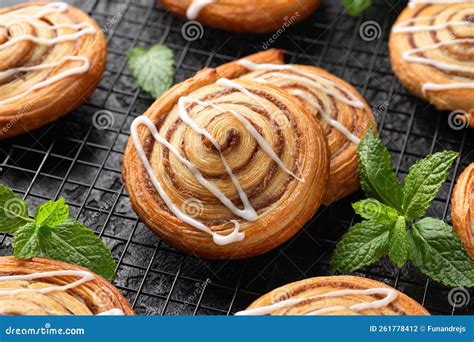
pixel 243 15
pixel 48 287
pixel 432 49
pixel 336 295
pixel 463 208
pixel 52 56
pixel 343 114
pixel 226 169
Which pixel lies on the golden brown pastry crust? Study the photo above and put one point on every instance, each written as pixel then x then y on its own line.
pixel 414 75
pixel 90 298
pixel 284 204
pixel 51 102
pixel 463 208
pixel 344 175
pixel 247 15
pixel 403 305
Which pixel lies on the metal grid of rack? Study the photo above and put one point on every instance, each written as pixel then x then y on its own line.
pixel 74 159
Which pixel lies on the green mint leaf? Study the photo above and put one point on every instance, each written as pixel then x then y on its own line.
pixel 439 253
pixel 423 182
pixel 52 213
pixel 399 243
pixel 373 210
pixel 377 178
pixel 356 7
pixel 72 242
pixel 13 211
pixel 363 244
pixel 152 69
pixel 26 241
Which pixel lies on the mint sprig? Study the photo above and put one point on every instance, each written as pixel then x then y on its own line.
pixel 52 234
pixel 394 225
pixel 356 7
pixel 152 69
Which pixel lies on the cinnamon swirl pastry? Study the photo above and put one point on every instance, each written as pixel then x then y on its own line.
pixel 463 209
pixel 337 295
pixel 52 56
pixel 48 287
pixel 243 15
pixel 342 112
pixel 226 169
pixel 432 49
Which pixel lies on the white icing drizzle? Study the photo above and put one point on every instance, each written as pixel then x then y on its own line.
pixel 413 3
pixel 83 275
pixel 112 312
pixel 390 296
pixel 354 102
pixel 52 7
pixel 73 71
pixel 196 7
pixel 87 29
pixel 407 55
pixel 334 123
pixel 218 239
pixel 404 26
pixel 260 140
pixel 248 213
pixel 84 29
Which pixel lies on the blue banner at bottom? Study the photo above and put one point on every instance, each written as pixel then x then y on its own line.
pixel 196 329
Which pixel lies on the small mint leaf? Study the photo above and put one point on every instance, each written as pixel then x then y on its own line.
pixel 26 242
pixel 356 7
pixel 423 182
pixel 399 243
pixel 52 213
pixel 72 242
pixel 377 178
pixel 152 69
pixel 373 210
pixel 438 252
pixel 363 244
pixel 13 211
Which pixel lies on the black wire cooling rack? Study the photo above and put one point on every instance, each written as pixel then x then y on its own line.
pixel 81 162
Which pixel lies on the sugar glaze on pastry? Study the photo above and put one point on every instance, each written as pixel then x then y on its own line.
pixel 390 296
pixel 431 47
pixel 40 286
pixel 196 7
pixel 335 295
pixel 248 213
pixel 317 82
pixel 413 3
pixel 408 27
pixel 12 19
pixel 83 275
